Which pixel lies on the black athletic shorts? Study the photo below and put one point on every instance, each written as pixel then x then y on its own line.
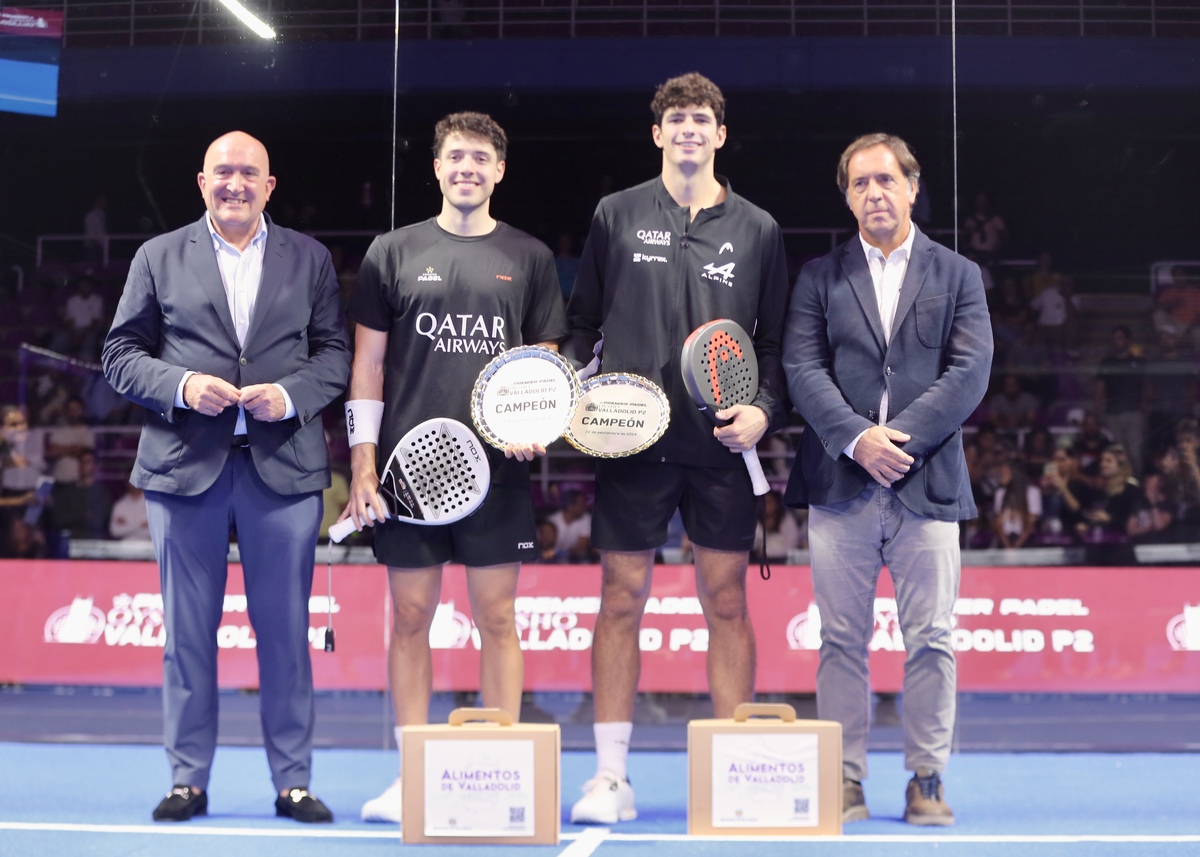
pixel 500 531
pixel 636 499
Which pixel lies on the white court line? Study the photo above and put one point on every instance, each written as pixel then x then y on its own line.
pixel 586 842
pixel 587 835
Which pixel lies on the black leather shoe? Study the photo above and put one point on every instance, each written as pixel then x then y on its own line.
pixel 302 806
pixel 181 804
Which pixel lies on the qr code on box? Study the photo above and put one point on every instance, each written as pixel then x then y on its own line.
pixel 516 815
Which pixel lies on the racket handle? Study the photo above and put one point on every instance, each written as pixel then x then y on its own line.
pixel 341 529
pixel 753 465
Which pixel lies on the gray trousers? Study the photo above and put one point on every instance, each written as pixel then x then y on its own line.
pixel 849 544
pixel 276 537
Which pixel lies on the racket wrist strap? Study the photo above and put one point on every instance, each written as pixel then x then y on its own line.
pixel 363 418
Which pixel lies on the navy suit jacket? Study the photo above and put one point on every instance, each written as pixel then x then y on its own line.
pixel 935 368
pixel 174 316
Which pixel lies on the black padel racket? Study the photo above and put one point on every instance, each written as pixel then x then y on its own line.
pixel 720 370
pixel 437 474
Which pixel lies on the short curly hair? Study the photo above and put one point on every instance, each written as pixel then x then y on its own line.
pixel 470 125
pixel 688 90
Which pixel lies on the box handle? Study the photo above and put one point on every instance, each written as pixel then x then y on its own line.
pixel 460 716
pixel 764 709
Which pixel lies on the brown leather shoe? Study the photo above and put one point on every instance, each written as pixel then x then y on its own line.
pixel 854 805
pixel 925 802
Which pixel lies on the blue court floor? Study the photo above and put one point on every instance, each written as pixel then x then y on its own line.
pixel 86 799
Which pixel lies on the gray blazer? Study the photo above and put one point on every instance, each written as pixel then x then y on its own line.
pixel 935 369
pixel 173 316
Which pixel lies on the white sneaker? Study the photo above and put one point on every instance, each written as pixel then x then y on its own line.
pixel 606 800
pixel 386 807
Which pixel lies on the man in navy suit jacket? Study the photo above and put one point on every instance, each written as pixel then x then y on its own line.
pixel 230 334
pixel 887 351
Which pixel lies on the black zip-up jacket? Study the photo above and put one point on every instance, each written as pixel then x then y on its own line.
pixel 649 277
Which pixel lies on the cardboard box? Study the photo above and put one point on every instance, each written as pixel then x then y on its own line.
pixel 765 773
pixel 473 783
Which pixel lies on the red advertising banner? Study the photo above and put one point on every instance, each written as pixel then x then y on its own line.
pixel 31 22
pixel 1083 630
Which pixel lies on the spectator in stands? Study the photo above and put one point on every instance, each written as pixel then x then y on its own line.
pixel 1016 507
pixel 83 323
pixel 982 452
pixel 1159 518
pixel 1171 394
pixel 979 450
pixel 21 461
pixel 95 230
pixel 1064 495
pixel 784 532
pixel 574 525
pixel 1012 408
pixel 1187 447
pixel 1107 517
pixel 1177 304
pixel 1042 277
pixel 81 508
pixel 1089 443
pixel 129 519
pixel 1037 451
pixel 1055 310
pixel 985 231
pixel 48 396
pixel 547 543
pixel 1121 394
pixel 68 442
pixel 1010 314
pixel 23 541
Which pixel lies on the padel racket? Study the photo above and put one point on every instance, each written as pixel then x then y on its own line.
pixel 437 474
pixel 720 370
pixel 524 395
pixel 618 414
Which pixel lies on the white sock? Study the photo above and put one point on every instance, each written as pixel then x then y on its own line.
pixel 612 747
pixel 399 732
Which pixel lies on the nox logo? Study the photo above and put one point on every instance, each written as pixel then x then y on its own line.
pixel 722 274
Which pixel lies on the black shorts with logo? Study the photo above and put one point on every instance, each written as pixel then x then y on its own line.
pixel 636 499
pixel 500 531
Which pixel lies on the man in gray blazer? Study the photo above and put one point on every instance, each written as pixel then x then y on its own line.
pixel 887 351
pixel 230 334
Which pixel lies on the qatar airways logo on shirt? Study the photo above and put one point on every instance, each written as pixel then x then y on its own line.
pixel 655 236
pixel 462 333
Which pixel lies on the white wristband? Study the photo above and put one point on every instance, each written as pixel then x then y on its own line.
pixel 363 418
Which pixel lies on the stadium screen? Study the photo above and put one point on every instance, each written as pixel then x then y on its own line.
pixel 30 44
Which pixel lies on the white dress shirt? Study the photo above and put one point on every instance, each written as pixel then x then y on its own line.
pixel 241 275
pixel 887 275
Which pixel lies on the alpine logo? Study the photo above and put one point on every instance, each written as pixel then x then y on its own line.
pixel 646 257
pixel 430 276
pixel 722 274
pixel 655 236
